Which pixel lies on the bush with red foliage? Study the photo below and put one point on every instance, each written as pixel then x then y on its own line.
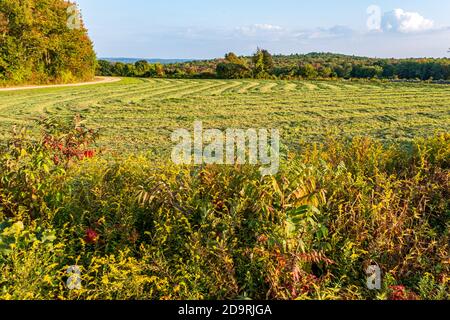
pixel 68 141
pixel 401 293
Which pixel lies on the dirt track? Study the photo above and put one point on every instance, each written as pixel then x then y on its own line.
pixel 98 80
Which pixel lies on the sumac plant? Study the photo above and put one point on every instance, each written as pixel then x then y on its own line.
pixel 67 142
pixel 30 168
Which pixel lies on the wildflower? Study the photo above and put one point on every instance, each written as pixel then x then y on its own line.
pixel 400 293
pixel 91 236
pixel 89 153
pixel 263 238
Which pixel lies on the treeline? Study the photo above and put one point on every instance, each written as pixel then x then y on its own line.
pixel 262 65
pixel 43 41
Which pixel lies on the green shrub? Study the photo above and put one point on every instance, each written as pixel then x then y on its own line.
pixel 140 229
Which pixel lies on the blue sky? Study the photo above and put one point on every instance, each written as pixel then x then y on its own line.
pixel 210 28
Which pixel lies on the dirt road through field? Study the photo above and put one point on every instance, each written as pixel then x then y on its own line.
pixel 98 80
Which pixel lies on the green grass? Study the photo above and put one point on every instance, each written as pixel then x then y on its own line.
pixel 140 114
pixel 143 228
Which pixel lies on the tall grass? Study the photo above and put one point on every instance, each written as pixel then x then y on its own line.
pixel 140 229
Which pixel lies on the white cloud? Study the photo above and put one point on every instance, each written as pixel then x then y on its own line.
pixel 270 32
pixel 258 29
pixel 268 27
pixel 326 33
pixel 402 21
pixel 403 40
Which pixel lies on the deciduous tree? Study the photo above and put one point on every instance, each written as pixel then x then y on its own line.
pixel 38 44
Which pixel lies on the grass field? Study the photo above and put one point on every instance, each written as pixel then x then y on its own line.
pixel 137 227
pixel 140 114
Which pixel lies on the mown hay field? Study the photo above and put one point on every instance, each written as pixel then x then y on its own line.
pixel 142 228
pixel 140 114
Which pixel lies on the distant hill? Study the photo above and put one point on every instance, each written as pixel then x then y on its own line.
pixel 133 60
pixel 315 65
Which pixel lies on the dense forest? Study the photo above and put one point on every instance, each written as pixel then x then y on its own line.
pixel 43 41
pixel 262 65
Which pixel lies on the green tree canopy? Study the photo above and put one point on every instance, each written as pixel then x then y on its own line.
pixel 233 58
pixel 43 41
pixel 262 64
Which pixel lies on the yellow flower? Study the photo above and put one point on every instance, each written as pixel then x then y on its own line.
pixel 47 279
